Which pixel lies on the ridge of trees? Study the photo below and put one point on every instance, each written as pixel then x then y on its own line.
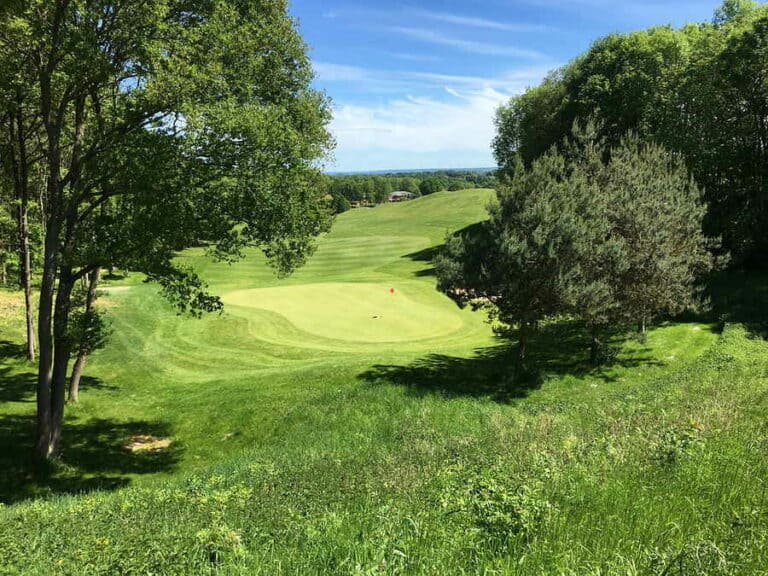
pixel 700 91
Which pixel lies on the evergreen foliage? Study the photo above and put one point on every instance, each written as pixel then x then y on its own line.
pixel 606 235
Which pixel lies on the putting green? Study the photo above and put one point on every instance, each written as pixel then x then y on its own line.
pixel 367 313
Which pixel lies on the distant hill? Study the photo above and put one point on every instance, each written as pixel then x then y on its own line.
pixel 409 171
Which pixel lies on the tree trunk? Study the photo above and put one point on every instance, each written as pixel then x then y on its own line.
pixel 3 274
pixel 61 357
pixel 26 278
pixel 82 356
pixel 522 347
pixel 595 347
pixel 25 255
pixel 20 171
pixel 44 447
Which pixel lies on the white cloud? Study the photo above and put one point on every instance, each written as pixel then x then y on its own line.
pixel 452 131
pixel 448 125
pixel 405 81
pixel 473 47
pixel 420 124
pixel 640 13
pixel 416 57
pixel 476 22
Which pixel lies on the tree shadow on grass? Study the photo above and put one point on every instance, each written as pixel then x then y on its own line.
pixel 11 350
pixel 425 256
pixel 95 457
pixel 428 254
pixel 497 373
pixel 20 386
pixel 740 297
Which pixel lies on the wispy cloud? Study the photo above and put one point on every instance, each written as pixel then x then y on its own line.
pixel 476 22
pixel 420 124
pixel 471 46
pixel 415 57
pixel 406 80
pixel 638 12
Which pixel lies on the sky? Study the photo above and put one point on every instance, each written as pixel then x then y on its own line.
pixel 415 84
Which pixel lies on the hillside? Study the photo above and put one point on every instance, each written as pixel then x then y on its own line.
pixel 350 419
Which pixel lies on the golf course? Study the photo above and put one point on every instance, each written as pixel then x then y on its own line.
pixel 351 419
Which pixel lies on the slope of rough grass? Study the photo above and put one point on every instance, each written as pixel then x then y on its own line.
pixel 319 443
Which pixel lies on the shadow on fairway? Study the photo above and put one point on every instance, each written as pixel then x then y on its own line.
pixel 95 457
pixel 425 256
pixel 20 386
pixel 498 374
pixel 741 298
pixel 428 254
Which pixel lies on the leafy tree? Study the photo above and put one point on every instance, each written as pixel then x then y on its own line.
pixel 88 331
pixel 431 185
pixel 340 204
pixel 699 91
pixel 20 150
pixel 733 10
pixel 409 184
pixel 164 124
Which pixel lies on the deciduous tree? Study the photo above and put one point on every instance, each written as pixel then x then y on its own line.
pixel 164 124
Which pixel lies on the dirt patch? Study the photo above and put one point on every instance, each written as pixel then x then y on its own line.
pixel 112 289
pixel 11 305
pixel 148 444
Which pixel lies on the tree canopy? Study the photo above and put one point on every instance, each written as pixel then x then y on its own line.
pixel 160 125
pixel 607 234
pixel 699 90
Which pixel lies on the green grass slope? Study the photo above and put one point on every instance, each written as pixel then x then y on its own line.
pixel 325 425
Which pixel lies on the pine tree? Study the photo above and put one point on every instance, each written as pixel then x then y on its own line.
pixel 657 215
pixel 608 236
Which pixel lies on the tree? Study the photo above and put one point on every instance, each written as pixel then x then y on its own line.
pixel 340 204
pixel 699 91
pixel 431 185
pixel 19 152
pixel 87 332
pixel 531 261
pixel 657 215
pixel 605 235
pixel 732 10
pixel 165 124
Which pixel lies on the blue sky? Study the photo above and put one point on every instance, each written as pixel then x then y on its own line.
pixel 416 84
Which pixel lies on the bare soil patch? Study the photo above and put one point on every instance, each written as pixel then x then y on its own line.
pixel 148 444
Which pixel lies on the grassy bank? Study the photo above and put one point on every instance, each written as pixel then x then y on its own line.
pixel 325 424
